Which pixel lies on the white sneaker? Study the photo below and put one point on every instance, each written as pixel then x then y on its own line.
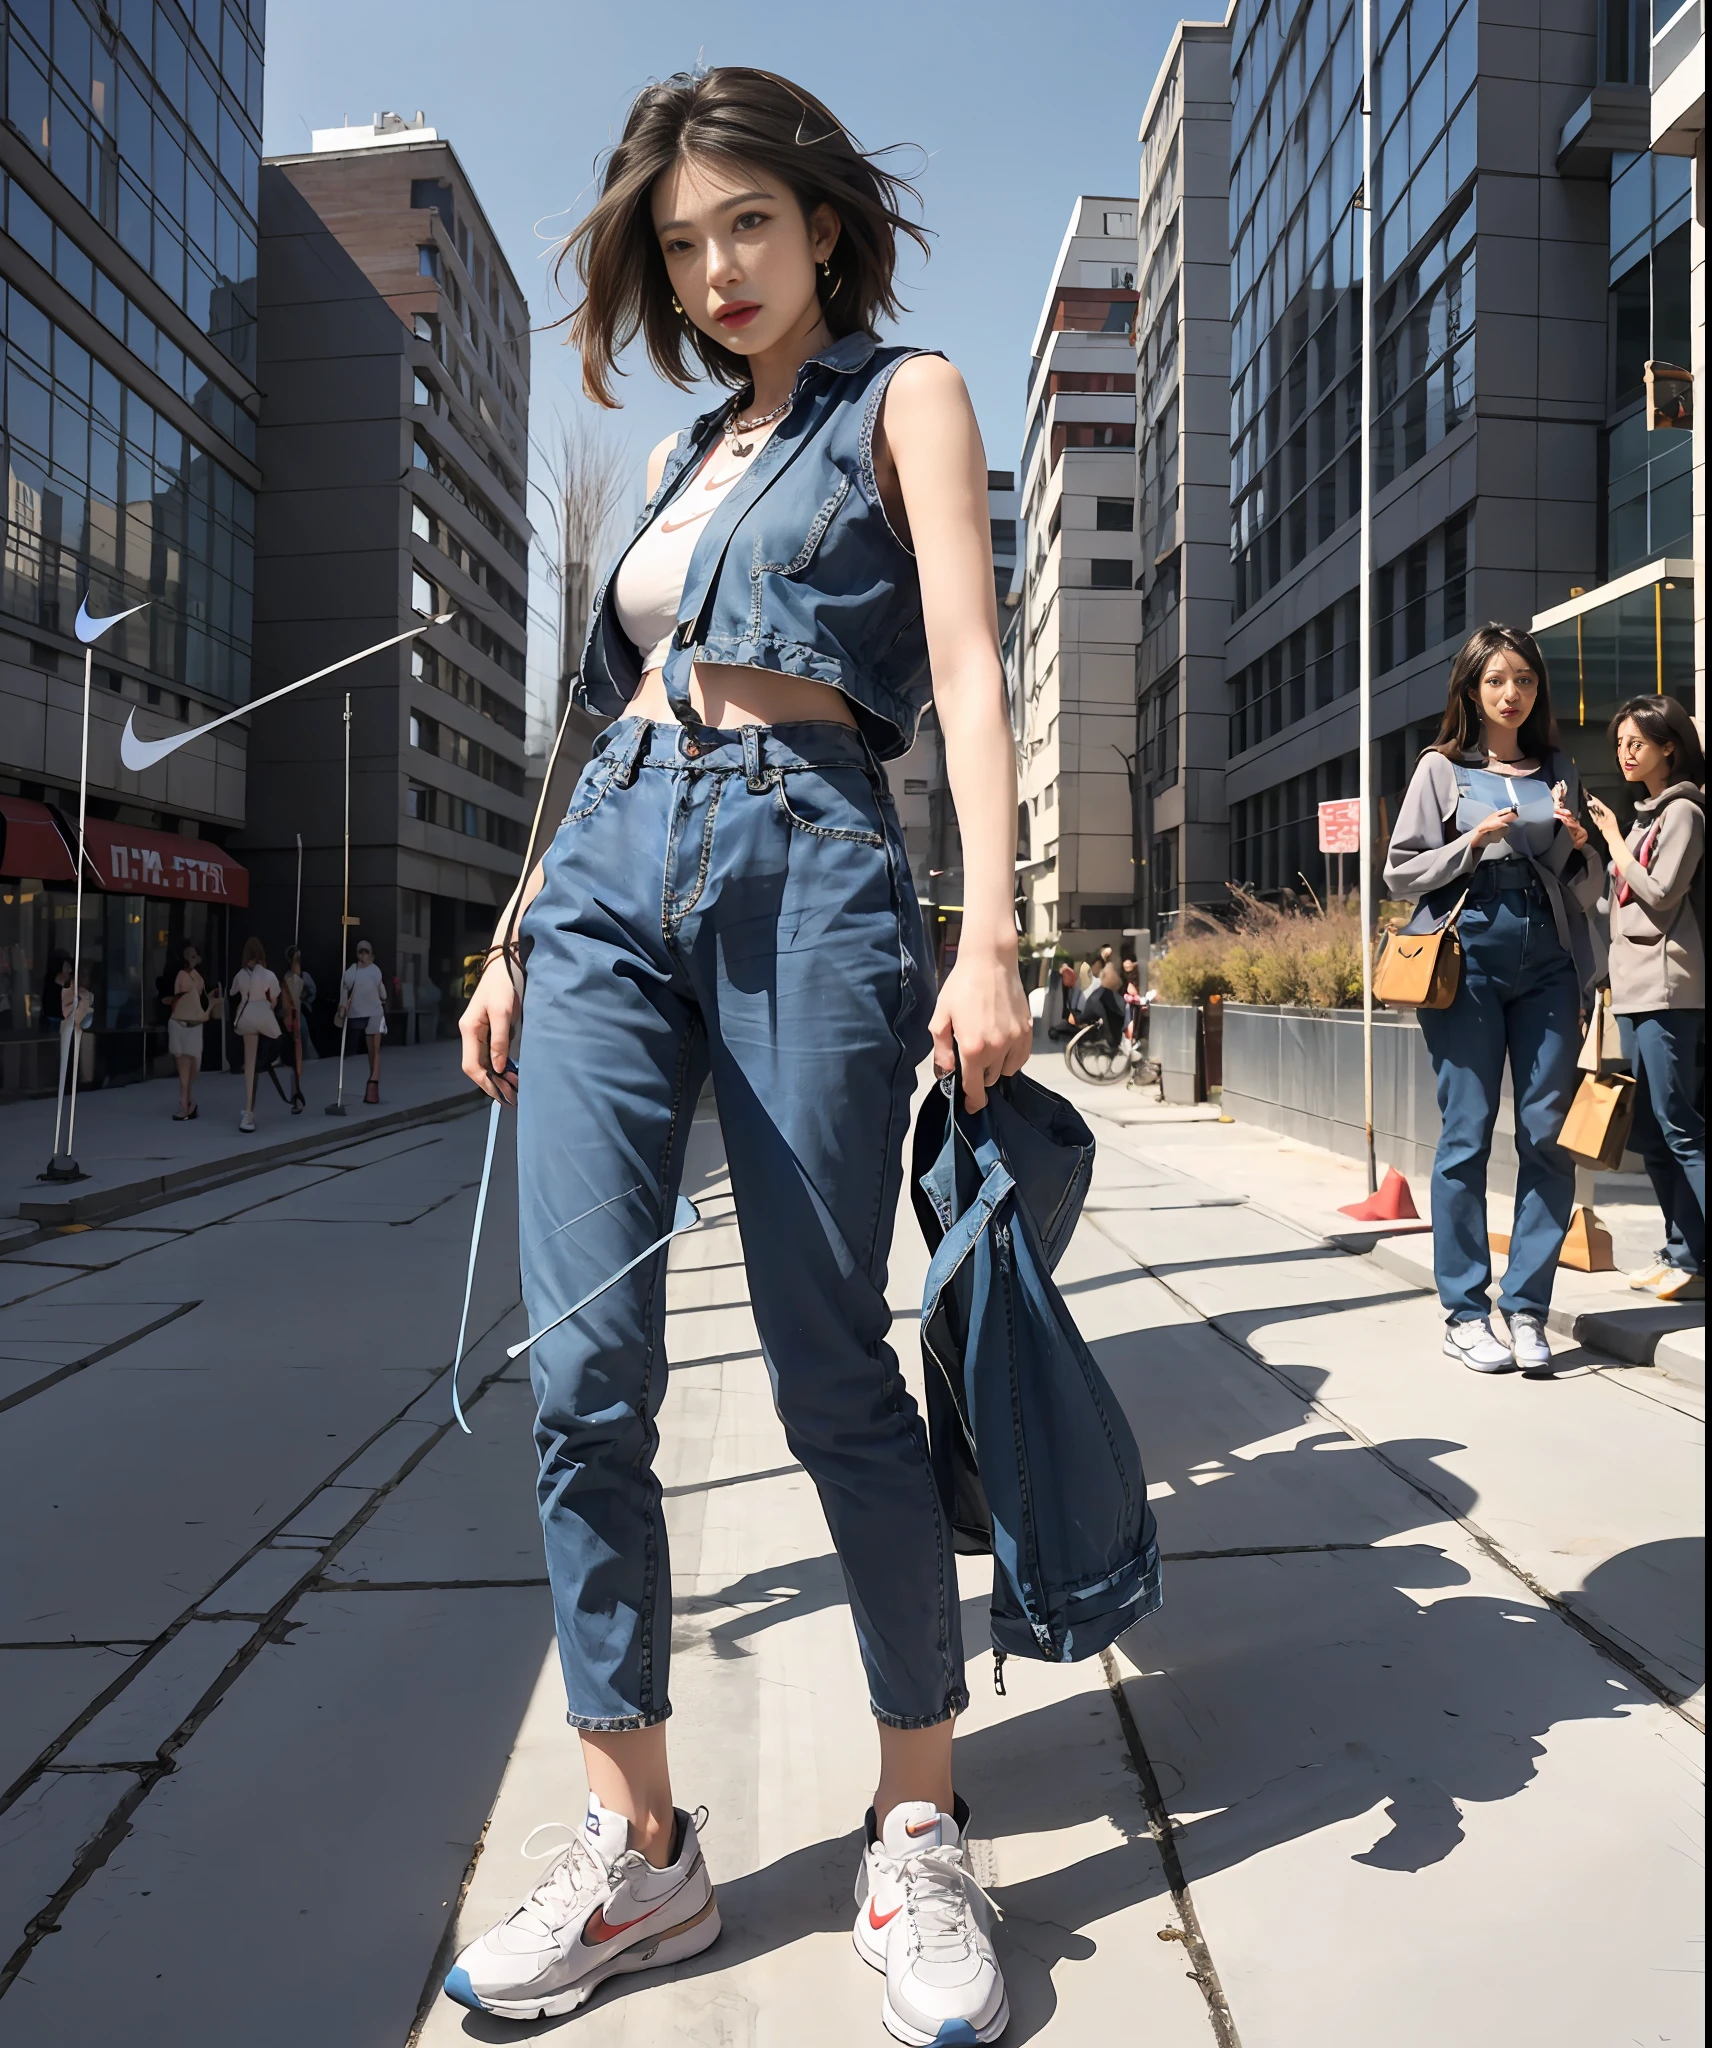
pixel 1645 1278
pixel 921 1919
pixel 1679 1284
pixel 246 1122
pixel 1473 1341
pixel 600 1908
pixel 1528 1346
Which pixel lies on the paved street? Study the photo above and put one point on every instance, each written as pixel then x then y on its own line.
pixel 1413 1752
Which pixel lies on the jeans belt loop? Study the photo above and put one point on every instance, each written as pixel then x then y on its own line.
pixel 630 758
pixel 753 772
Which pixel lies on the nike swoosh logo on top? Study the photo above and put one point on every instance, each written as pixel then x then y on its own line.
pixel 138 754
pixel 679 526
pixel 89 629
pixel 917 1830
pixel 879 1920
pixel 598 1928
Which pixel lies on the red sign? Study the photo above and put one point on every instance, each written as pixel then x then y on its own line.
pixel 30 843
pixel 128 860
pixel 1340 825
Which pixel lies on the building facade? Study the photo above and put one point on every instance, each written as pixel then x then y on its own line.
pixel 1517 292
pixel 1073 668
pixel 1182 387
pixel 394 438
pixel 129 165
pixel 1642 131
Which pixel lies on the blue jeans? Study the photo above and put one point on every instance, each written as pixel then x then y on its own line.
pixel 1518 1001
pixel 1662 1048
pixel 746 909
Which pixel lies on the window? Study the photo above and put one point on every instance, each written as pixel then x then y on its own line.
pixel 421 392
pixel 420 523
pixel 416 801
pixel 1114 515
pixel 1004 533
pixel 427 260
pixel 421 594
pixel 1109 572
pixel 1120 223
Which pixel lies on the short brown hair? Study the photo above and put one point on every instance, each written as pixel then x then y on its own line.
pixel 1665 721
pixel 737 116
pixel 1459 731
pixel 255 953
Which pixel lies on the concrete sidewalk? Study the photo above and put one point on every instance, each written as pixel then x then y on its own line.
pixel 279 1700
pixel 132 1151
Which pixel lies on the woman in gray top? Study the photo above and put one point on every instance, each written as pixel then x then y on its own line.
pixel 1655 904
pixel 1488 834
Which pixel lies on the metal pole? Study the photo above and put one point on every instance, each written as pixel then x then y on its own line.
pixel 1366 628
pixel 77 926
pixel 297 914
pixel 337 1106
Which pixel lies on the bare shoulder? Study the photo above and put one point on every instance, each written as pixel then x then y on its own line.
pixel 657 462
pixel 926 391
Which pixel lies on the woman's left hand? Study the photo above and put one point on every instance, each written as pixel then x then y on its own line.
pixel 982 1013
pixel 1571 824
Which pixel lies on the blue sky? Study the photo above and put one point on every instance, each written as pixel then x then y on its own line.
pixel 1018 109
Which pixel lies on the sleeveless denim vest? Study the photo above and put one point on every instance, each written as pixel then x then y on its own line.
pixel 799 570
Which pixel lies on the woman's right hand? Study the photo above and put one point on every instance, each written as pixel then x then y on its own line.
pixel 1493 827
pixel 488 1029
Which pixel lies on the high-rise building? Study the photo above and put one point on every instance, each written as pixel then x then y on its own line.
pixel 1516 296
pixel 1073 672
pixel 128 178
pixel 395 358
pixel 1641 626
pixel 1182 396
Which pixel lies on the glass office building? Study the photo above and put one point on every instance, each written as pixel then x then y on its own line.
pixel 1489 321
pixel 130 160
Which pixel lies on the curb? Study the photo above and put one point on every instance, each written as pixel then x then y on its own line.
pixel 1634 1336
pixel 104 1203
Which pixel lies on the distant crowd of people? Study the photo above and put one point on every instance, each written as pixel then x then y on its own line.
pixel 1103 991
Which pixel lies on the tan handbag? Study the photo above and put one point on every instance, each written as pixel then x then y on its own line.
pixel 1420 970
pixel 1596 1130
pixel 1602 1048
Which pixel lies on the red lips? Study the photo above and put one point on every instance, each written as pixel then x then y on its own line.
pixel 736 316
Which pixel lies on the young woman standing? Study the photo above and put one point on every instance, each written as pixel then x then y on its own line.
pixel 730 853
pixel 1656 907
pixel 184 1030
pixel 362 1001
pixel 1488 833
pixel 292 987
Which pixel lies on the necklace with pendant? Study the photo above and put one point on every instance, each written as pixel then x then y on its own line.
pixel 735 428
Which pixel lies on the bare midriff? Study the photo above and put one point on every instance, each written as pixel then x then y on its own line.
pixel 726 697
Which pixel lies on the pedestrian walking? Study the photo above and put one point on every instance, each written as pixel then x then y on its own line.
pixel 184 1027
pixel 51 1012
pixel 292 1020
pixel 731 854
pixel 1655 904
pixel 255 991
pixel 306 1010
pixel 362 1002
pixel 1488 836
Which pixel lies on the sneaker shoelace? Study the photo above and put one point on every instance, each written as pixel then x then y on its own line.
pixel 575 1878
pixel 939 1895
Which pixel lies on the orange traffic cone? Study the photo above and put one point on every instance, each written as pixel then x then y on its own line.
pixel 1392 1204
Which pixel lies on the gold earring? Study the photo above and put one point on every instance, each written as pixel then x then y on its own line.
pixel 826 272
pixel 676 308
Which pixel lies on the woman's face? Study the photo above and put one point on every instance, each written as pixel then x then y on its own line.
pixel 1507 691
pixel 1639 757
pixel 192 958
pixel 739 252
pixel 365 958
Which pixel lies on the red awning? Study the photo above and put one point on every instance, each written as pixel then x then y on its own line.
pixel 30 843
pixel 127 860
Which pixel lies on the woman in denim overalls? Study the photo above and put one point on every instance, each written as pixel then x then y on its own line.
pixel 1489 823
pixel 728 893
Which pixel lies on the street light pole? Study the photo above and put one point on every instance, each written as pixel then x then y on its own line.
pixel 337 1106
pixel 1365 669
pixel 63 1165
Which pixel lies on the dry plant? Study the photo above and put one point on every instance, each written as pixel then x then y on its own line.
pixel 1266 955
pixel 586 470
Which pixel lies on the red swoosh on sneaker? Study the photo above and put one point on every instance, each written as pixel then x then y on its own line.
pixel 879 1920
pixel 598 1928
pixel 925 1827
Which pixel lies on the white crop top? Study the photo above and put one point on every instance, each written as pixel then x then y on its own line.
pixel 650 582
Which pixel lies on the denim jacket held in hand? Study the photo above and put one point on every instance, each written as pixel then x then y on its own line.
pixel 799 570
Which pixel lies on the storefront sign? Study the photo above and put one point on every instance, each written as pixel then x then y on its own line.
pixel 1340 825
pixel 127 860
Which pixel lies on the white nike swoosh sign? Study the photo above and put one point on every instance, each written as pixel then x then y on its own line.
pixel 138 754
pixel 90 629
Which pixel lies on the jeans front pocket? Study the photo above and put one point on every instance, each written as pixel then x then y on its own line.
pixel 830 803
